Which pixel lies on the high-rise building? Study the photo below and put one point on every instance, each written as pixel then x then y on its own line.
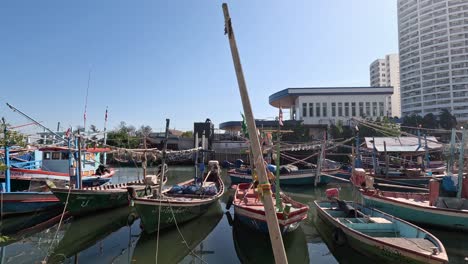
pixel 433 40
pixel 386 72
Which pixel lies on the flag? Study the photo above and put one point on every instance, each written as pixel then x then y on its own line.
pixel 84 116
pixel 244 126
pixel 105 118
pixel 67 134
pixel 280 117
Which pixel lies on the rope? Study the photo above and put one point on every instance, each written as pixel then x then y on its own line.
pixel 180 233
pixel 58 227
pixel 159 222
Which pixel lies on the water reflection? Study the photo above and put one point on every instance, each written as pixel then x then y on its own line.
pixel 255 247
pixel 172 247
pixel 84 232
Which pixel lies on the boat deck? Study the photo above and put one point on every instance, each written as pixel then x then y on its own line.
pixel 411 201
pixel 420 245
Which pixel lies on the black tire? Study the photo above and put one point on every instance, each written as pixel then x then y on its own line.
pixel 339 237
pixel 229 202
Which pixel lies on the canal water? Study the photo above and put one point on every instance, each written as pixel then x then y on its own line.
pixel 114 237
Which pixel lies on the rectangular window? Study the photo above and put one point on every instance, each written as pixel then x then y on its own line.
pixel 361 109
pixel 64 155
pixel 353 109
pixel 368 112
pixel 311 109
pixel 304 109
pixel 346 109
pixel 324 107
pixel 317 109
pixel 55 155
pixel 381 109
pixel 374 108
pixel 340 109
pixel 46 156
pixel 333 106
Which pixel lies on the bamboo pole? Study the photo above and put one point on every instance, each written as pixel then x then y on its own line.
pixel 461 160
pixel 386 159
pixel 270 213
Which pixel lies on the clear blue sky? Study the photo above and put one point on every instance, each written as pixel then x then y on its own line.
pixel 156 59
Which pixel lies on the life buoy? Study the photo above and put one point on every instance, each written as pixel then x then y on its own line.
pixel 339 237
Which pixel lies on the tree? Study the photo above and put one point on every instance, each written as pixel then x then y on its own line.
pixel 430 121
pixel 187 134
pixel 447 120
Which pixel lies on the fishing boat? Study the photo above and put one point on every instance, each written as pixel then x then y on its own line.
pixel 90 199
pixel 53 163
pixel 380 235
pixel 249 210
pixel 287 176
pixel 182 202
pixel 445 212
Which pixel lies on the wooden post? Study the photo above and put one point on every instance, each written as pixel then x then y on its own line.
pixel 270 213
pixel 279 205
pixel 80 169
pixel 163 160
pixel 353 165
pixel 452 153
pixel 461 159
pixel 318 171
pixel 386 159
pixel 7 158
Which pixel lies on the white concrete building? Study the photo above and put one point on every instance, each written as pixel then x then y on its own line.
pixel 433 40
pixel 386 72
pixel 327 105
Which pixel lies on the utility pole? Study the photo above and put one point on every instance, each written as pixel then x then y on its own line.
pixel 270 213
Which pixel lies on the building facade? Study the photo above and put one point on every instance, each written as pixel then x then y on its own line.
pixel 328 105
pixel 433 43
pixel 386 72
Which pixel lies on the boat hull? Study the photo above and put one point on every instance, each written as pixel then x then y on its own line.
pixel 149 212
pixel 285 179
pixel 81 202
pixel 28 202
pixel 428 215
pixel 258 222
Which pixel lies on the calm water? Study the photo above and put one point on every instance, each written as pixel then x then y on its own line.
pixel 212 238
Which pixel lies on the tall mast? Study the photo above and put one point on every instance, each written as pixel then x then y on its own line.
pixel 105 138
pixel 7 157
pixel 270 213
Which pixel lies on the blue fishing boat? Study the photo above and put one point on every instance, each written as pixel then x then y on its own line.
pixel 292 177
pixel 380 235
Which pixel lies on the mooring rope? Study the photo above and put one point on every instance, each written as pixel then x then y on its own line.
pixel 59 224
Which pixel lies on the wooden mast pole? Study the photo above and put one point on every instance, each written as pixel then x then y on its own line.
pixel 270 213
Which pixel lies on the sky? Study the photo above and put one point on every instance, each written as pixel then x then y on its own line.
pixel 151 60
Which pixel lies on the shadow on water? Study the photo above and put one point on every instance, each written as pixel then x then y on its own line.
pixel 172 248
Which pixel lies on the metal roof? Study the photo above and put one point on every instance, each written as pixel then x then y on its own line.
pixel 402 144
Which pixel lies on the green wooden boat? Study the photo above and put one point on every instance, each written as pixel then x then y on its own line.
pixel 380 235
pixel 176 208
pixel 88 200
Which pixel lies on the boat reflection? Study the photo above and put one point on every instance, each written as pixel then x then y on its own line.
pixel 27 238
pixel 82 233
pixel 254 247
pixel 172 248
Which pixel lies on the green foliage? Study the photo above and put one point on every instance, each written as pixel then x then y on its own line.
pixel 3 167
pixel 447 120
pixel 300 134
pixel 430 121
pixel 187 134
pixel 4 239
pixel 14 138
pixel 123 137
